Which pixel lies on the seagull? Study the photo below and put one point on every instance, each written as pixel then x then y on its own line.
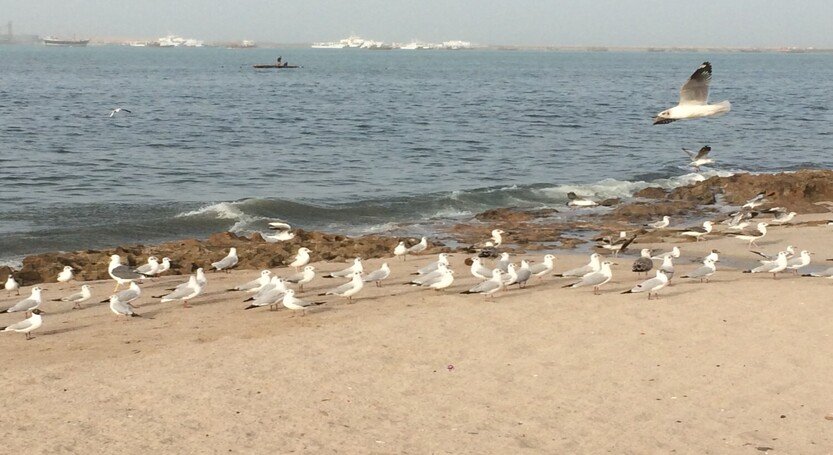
pixel 478 270
pixel 117 110
pixel 503 262
pixel 595 279
pixel 737 221
pixel 271 297
pixel 827 273
pixel 65 275
pixel 122 308
pixel 442 257
pixel 489 287
pixel 773 267
pixel 756 201
pixel 712 256
pixel 674 253
pixel 694 96
pixel 701 158
pixel 379 275
pixel 78 298
pixel 523 274
pixel 280 225
pixel 276 283
pixel 661 224
pixel 302 278
pixel 349 271
pixel 752 236
pixel 151 268
pixel 667 267
pixel 619 245
pixel 643 264
pixel 419 247
pixel 698 232
pixel 782 216
pixel 281 236
pixel 348 289
pixel 301 259
pixel 227 262
pixel 122 273
pixel 256 284
pixel 400 250
pixel 651 286
pixel 704 272
pixel 11 284
pixel 511 275
pixel 187 293
pixel 293 303
pixel 802 260
pixel 544 268
pixel 27 325
pixel 446 279
pixel 790 250
pixel 593 266
pixel 164 266
pixel 128 295
pixel 28 304
pixel 579 201
pixel 430 278
pixel 497 238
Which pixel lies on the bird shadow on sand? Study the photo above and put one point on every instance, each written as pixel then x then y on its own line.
pixel 65 329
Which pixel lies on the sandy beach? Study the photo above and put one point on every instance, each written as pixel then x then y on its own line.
pixel 738 365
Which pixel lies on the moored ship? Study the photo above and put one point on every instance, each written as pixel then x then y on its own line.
pixel 50 41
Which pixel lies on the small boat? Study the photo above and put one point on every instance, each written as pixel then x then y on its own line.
pixel 275 66
pixel 50 41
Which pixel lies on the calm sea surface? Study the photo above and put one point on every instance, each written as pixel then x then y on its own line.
pixel 366 141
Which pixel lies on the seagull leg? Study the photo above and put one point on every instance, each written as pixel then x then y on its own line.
pixel 185 304
pixel 28 336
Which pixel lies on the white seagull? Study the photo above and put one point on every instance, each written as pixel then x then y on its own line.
pixel 357 267
pixel 661 224
pixel 595 279
pixel 122 273
pixel 303 277
pixel 701 158
pixel 28 304
pixel 378 275
pixel 400 250
pixel 694 96
pixel 65 275
pixel 579 201
pixel 651 286
pixel 348 289
pixel 118 110
pixel 293 303
pixel 27 325
pixel 503 262
pixel 256 284
pixel 271 297
pixel 281 236
pixel 151 268
pixel 128 295
pixel 164 266
pixel 301 259
pixel 280 225
pixel 674 253
pixel 773 267
pixel 478 270
pixel 187 293
pixel 544 268
pixel 782 216
pixel 698 232
pixel 120 308
pixel 11 285
pixel 703 273
pixel 488 287
pixel 593 266
pixel 227 262
pixel 78 298
pixel 441 258
pixel 802 260
pixel 419 247
pixel 753 235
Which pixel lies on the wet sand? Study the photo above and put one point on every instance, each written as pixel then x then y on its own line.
pixel 737 365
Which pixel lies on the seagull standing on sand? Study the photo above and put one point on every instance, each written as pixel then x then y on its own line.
pixel 118 110
pixel 789 250
pixel 544 268
pixel 419 247
pixel 651 286
pixel 357 267
pixel 302 278
pixel 694 96
pixel 643 264
pixel 256 284
pixel 227 262
pixel 674 253
pixel 348 289
pixel 478 270
pixel 595 279
pixel 65 275
pixel 151 268
pixel 511 275
pixel 128 295
pixel 523 274
pixel 27 325
pixel 593 266
pixel 667 267
pixel 802 260
pixel 120 308
pixel 187 293
pixel 431 278
pixel 756 201
pixel 579 201
pixel 782 216
pixel 122 273
pixel 78 298
pixel 446 279
pixel 400 250
pixel 497 238
pixel 378 275
pixel 703 273
pixel 301 259
pixel 11 285
pixel 503 262
pixel 701 158
pixel 164 266
pixel 271 296
pixel 489 287
pixel 441 258
pixel 293 303
pixel 661 224
pixel 753 235
pixel 773 267
pixel 28 304
pixel 698 232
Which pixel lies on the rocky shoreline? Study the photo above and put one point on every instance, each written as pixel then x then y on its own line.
pixel 805 191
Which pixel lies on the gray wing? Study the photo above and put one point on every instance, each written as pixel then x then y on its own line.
pixel 433 276
pixel 342 289
pixel 73 297
pixel 268 298
pixel 484 286
pixel 179 293
pixel 577 272
pixel 23 305
pixel 646 285
pixel 144 269
pixel 696 89
pixel 295 278
pixel 225 263
pixel 700 272
pixel 593 279
pixel 127 295
pixel 432 280
pixel 537 268
pixel 376 275
pixel 126 273
pixel 703 152
pixel 22 325
pixel 254 284
pixel 428 268
pixel 122 308
pixel 523 275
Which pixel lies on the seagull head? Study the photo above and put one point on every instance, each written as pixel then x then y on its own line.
pixel 37 311
pixel 663 117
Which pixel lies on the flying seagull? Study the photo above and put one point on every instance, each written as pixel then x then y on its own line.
pixel 701 158
pixel 694 96
pixel 117 110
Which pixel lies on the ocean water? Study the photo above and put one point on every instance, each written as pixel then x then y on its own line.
pixel 367 141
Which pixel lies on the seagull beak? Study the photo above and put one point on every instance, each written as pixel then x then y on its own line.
pixel 662 121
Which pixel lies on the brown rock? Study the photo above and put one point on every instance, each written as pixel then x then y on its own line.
pixel 651 193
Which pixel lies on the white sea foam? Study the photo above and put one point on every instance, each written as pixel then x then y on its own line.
pixel 226 211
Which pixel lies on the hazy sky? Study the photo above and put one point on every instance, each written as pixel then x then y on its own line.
pixel 524 22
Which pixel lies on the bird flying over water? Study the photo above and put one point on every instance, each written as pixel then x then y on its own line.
pixel 694 96
pixel 118 110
